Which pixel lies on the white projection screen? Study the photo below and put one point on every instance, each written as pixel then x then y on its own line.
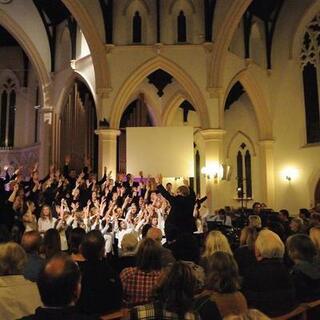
pixel 165 150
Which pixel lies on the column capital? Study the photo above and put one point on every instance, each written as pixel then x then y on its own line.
pixel 267 143
pixel 213 134
pixel 107 134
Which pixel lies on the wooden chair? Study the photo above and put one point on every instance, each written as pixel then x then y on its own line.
pixel 298 313
pixel 122 314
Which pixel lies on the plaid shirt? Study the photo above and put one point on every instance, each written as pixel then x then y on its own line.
pixel 154 311
pixel 137 285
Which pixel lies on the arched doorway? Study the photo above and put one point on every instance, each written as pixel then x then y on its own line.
pixel 78 122
pixel 135 115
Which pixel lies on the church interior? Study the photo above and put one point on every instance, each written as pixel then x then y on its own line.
pixel 243 74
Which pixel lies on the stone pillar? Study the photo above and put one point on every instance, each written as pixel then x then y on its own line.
pixel 267 172
pixel 107 150
pixel 213 152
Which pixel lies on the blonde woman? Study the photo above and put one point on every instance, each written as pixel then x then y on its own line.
pixel 315 238
pixel 255 224
pixel 216 241
pixel 46 221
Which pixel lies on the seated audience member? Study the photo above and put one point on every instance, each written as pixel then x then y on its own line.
pixel 101 287
pixel 222 218
pixel 285 220
pixel 252 314
pixel 222 287
pixel 172 298
pixel 253 223
pixel 187 249
pixel 315 238
pixel 215 241
pixel 306 271
pixel 138 282
pixel 315 220
pixel 129 246
pixel 305 214
pixel 166 254
pixel 75 238
pixel 245 255
pixel 59 287
pixel 30 242
pixel 297 226
pixel 19 297
pixel 51 243
pixel 267 285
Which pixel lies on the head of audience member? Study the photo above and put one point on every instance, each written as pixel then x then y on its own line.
pixel 304 214
pixel 251 314
pixel 222 273
pixel 315 219
pixel 129 244
pixel 31 242
pixel 75 238
pixel 155 234
pixel 46 212
pixel 4 234
pixel 169 187
pixel 254 222
pixel 248 237
pixel 268 246
pixel 256 208
pixel 284 215
pixel 315 237
pixel 176 289
pixel 183 191
pixel 93 246
pixel 145 230
pixel 59 282
pixel 51 244
pixel 216 241
pixel 296 225
pixel 148 256
pixel 187 248
pixel 301 248
pixel 12 259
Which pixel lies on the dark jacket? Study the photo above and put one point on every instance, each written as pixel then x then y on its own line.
pixel 67 313
pixel 101 289
pixel 306 280
pixel 181 214
pixel 268 287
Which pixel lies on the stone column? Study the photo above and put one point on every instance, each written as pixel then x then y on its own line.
pixel 107 150
pixel 213 152
pixel 267 172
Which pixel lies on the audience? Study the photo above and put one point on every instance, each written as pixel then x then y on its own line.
pixel 101 287
pixel 306 270
pixel 122 223
pixel 59 287
pixel 267 285
pixel 138 282
pixel 30 242
pixel 172 298
pixel 19 297
pixel 222 286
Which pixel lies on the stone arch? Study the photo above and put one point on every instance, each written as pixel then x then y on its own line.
pixel 295 46
pixel 313 183
pixel 142 72
pixel 131 3
pixel 95 43
pixel 19 34
pixel 257 99
pixel 156 117
pixel 223 40
pixel 246 137
pixel 188 2
pixel 172 106
pixel 63 96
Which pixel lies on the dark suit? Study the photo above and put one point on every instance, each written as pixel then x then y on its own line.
pixel 181 214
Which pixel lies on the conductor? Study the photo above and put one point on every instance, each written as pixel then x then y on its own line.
pixel 182 205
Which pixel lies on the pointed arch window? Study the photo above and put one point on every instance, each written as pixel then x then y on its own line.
pixel 137 28
pixel 7 113
pixel 244 175
pixel 182 27
pixel 310 63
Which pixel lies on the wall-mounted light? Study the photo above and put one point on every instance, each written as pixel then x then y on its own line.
pixel 213 171
pixel 290 174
